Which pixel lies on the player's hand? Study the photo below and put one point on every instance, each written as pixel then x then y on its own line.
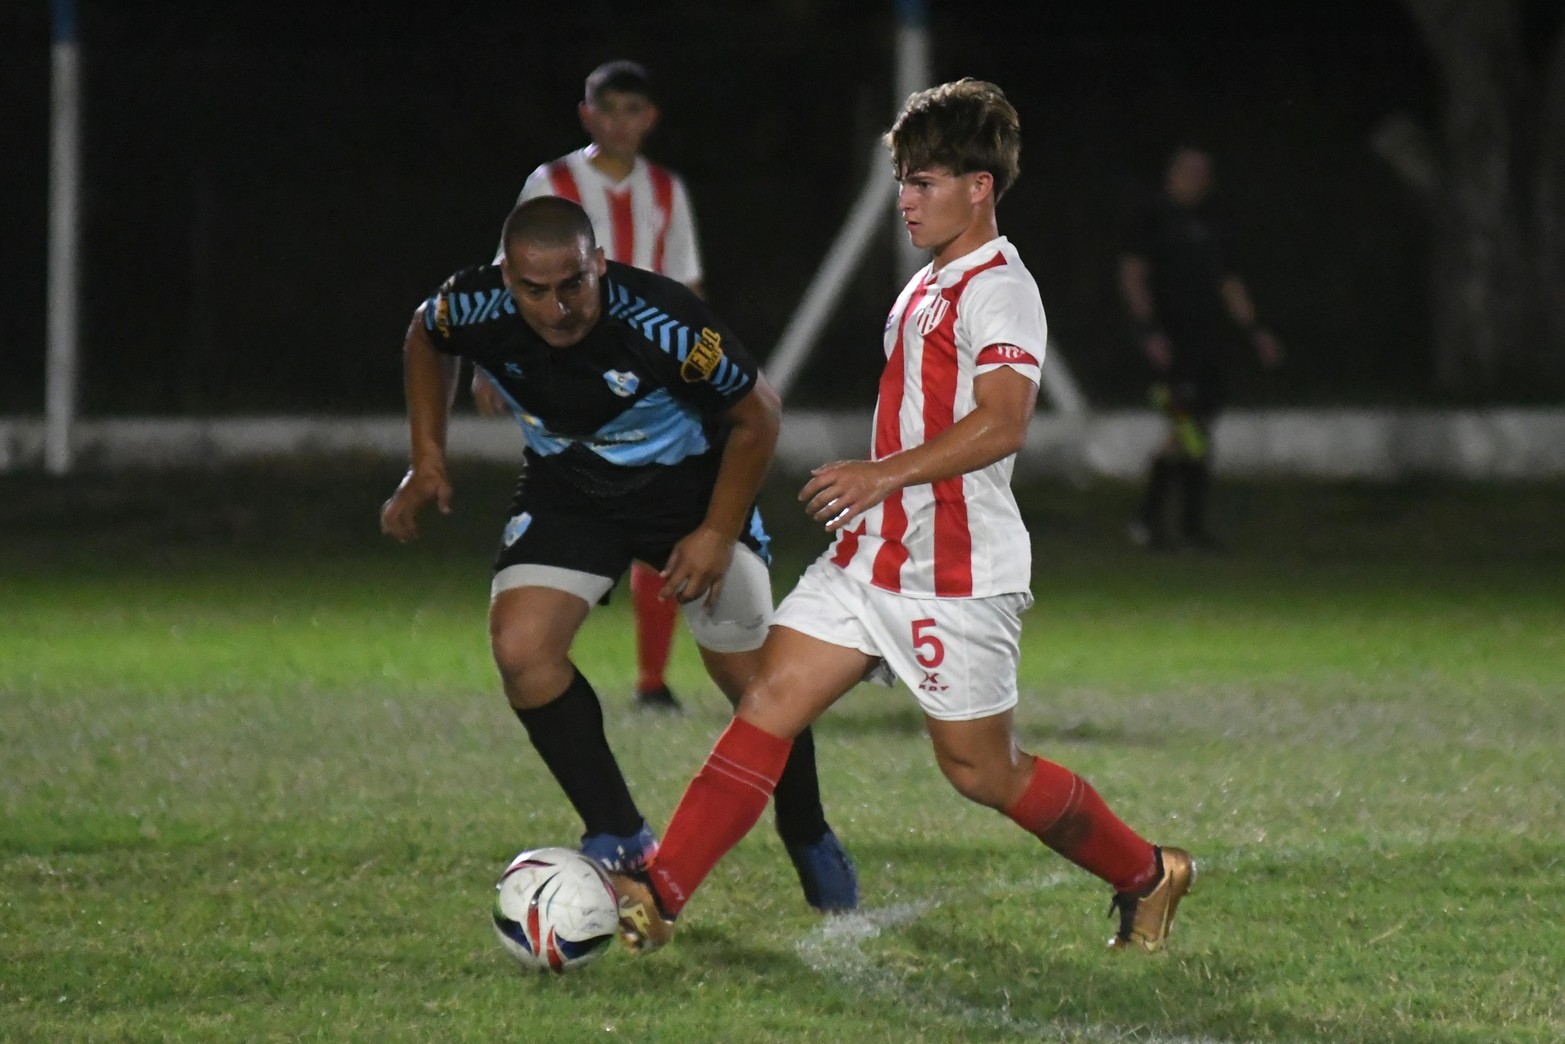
pixel 1268 348
pixel 696 567
pixel 1160 353
pixel 399 515
pixel 486 395
pixel 843 490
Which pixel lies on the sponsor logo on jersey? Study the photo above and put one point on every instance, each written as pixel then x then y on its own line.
pixel 622 383
pixel 931 313
pixel 516 527
pixel 704 358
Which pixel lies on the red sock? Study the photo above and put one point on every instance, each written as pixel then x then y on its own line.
pixel 1062 810
pixel 654 625
pixel 720 806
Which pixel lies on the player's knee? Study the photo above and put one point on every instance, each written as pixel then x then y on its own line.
pixel 521 651
pixel 978 782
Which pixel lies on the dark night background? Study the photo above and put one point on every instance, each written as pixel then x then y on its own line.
pixel 273 187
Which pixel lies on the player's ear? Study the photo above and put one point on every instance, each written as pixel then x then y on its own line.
pixel 982 185
pixel 584 113
pixel 602 261
pixel 652 116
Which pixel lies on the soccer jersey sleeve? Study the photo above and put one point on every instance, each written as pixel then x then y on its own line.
pixel 682 252
pixel 1001 322
pixel 464 308
pixel 537 184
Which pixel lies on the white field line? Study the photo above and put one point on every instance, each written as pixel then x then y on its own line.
pixel 835 949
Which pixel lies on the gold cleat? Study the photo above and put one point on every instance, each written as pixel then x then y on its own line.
pixel 1145 920
pixel 642 926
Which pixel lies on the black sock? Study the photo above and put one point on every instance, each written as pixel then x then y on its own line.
pixel 568 734
pixel 1197 482
pixel 1153 503
pixel 797 799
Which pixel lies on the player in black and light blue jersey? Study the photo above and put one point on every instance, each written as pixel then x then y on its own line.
pixel 648 431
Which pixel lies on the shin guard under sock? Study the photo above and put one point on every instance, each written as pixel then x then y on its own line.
pixel 655 621
pixel 1063 811
pixel 568 734
pixel 722 803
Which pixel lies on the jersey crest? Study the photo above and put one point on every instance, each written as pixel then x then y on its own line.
pixel 621 382
pixel 931 314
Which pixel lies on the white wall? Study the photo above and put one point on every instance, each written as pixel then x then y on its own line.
pixel 1364 444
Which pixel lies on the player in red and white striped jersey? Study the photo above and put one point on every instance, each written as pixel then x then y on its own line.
pixel 929 573
pixel 642 216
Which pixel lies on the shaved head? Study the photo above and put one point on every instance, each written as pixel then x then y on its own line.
pixel 549 222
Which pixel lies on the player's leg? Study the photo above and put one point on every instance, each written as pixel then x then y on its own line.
pixel 654 638
pixel 1059 808
pixel 550 570
pixel 1196 472
pixel 960 657
pixel 800 677
pixel 1149 525
pixel 729 635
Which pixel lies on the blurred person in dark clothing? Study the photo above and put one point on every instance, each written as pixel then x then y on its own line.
pixel 1190 308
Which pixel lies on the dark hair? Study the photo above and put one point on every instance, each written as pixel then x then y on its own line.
pixel 623 76
pixel 965 126
pixel 547 221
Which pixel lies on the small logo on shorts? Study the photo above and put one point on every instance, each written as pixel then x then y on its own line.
pixel 621 383
pixel 932 683
pixel 516 527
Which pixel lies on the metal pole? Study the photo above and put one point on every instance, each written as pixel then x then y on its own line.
pixel 64 213
pixel 832 278
pixel 913 74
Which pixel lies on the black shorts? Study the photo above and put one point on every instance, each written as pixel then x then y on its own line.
pixel 563 528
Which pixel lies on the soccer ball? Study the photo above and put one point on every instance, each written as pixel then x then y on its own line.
pixel 555 909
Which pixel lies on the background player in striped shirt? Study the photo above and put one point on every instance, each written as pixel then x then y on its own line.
pixel 929 572
pixel 642 215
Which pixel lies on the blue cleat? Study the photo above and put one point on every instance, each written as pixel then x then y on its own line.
pixel 831 884
pixel 621 855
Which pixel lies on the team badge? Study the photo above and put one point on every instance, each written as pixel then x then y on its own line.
pixel 622 383
pixel 703 358
pixel 516 527
pixel 931 314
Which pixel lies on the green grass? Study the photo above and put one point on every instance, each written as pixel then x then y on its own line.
pixel 256 781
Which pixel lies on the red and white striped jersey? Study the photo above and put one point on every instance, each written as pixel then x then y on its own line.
pixel 961 537
pixel 645 220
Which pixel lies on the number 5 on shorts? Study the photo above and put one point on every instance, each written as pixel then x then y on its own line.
pixel 926 647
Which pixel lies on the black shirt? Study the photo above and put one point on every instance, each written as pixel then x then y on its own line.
pixel 1186 255
pixel 637 404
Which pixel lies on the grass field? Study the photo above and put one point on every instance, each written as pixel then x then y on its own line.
pixel 256 781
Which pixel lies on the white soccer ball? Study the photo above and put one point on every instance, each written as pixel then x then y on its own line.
pixel 555 909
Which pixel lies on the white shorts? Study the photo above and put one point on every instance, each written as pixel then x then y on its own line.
pixel 958 655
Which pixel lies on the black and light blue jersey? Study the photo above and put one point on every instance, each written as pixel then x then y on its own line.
pixel 647 389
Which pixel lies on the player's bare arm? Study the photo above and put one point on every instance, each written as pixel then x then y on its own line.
pixel 429 383
pixel 843 490
pixel 697 564
pixel 1236 297
pixel 1135 282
